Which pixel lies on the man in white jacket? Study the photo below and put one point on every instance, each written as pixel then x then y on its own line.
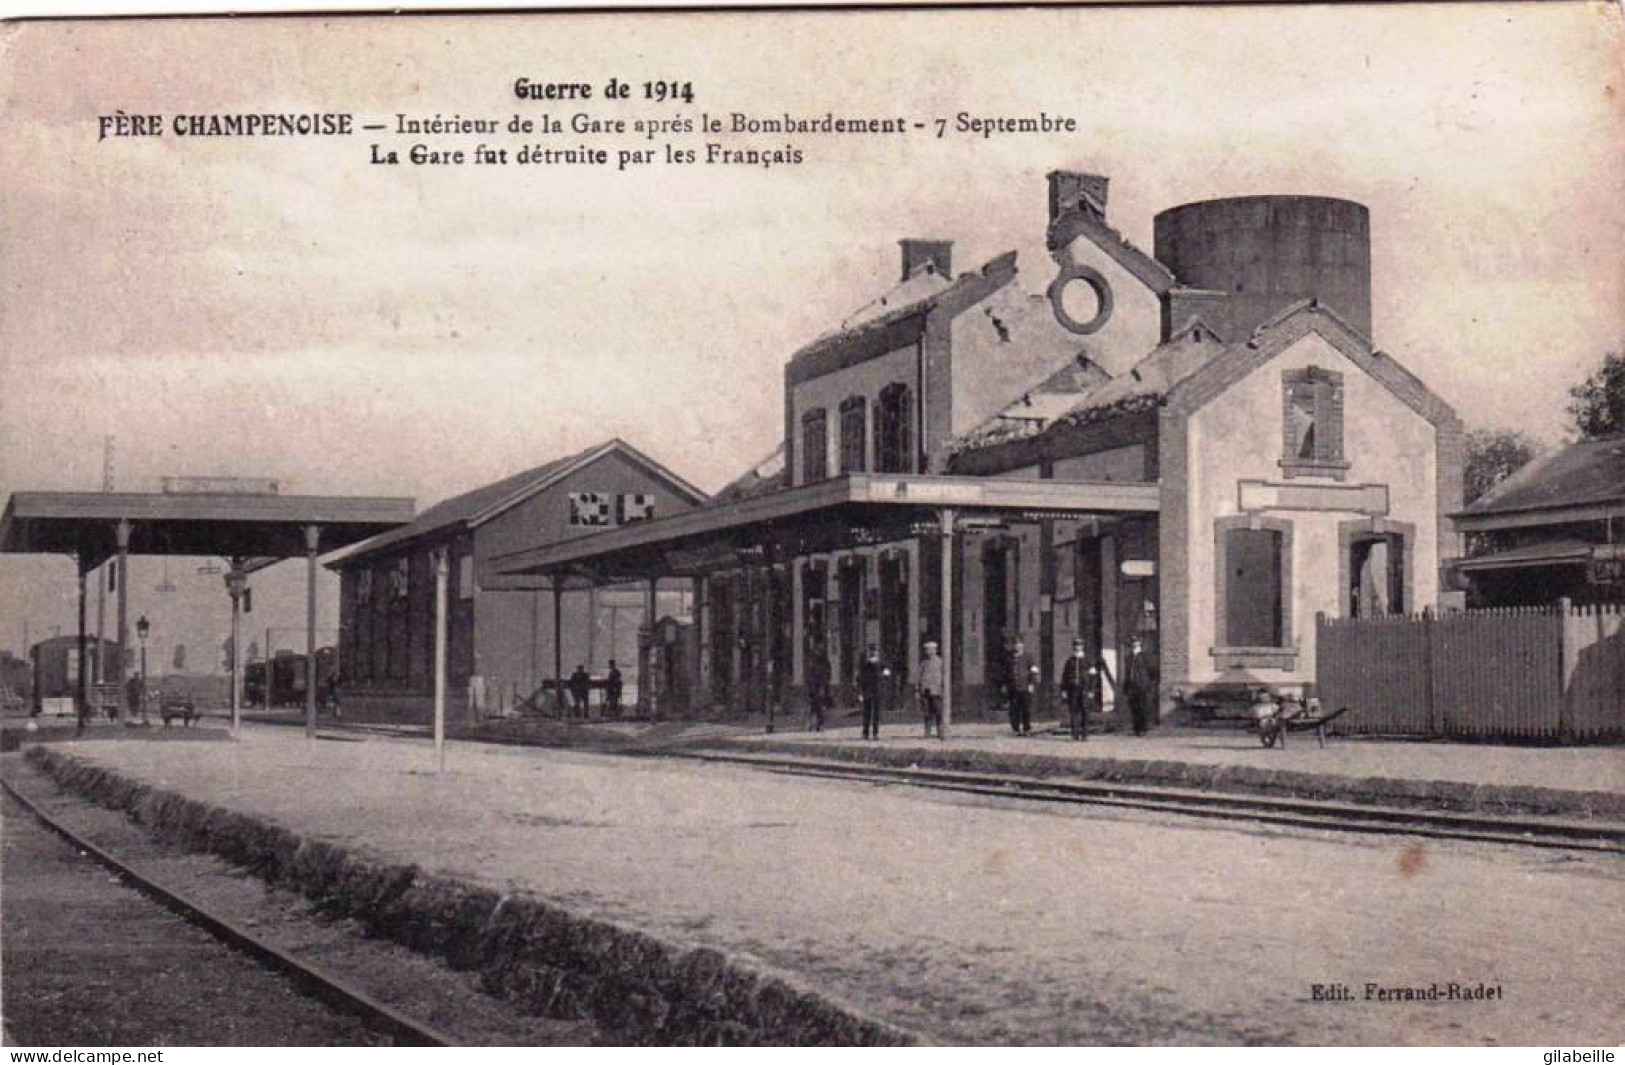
pixel 930 689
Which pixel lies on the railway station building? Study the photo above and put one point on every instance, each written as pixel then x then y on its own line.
pixel 507 638
pixel 1198 446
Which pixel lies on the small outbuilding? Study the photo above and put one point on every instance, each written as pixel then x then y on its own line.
pixel 1553 530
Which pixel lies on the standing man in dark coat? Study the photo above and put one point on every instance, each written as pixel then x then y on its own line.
pixel 871 682
pixel 1076 689
pixel 1081 681
pixel 580 689
pixel 817 685
pixel 1140 686
pixel 1022 681
pixel 612 690
pixel 136 695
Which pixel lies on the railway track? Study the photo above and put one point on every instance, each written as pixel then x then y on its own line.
pixel 337 994
pixel 1513 829
pixel 1547 833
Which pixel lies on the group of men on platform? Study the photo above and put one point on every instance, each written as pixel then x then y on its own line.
pixel 1082 688
pixel 1083 680
pixel 579 688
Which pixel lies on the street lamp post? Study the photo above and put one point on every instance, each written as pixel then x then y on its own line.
pixel 142 628
pixel 237 587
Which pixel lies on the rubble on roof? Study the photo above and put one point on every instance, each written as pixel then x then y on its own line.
pixel 920 292
pixel 1039 407
pixel 922 285
pixel 1103 397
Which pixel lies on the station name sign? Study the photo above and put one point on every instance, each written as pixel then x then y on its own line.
pixel 219 486
pixel 925 492
pixel 1256 496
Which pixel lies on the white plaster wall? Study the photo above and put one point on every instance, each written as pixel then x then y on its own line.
pixel 1237 437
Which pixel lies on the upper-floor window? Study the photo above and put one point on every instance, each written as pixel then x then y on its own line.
pixel 814 446
pixel 1312 423
pixel 894 430
pixel 854 435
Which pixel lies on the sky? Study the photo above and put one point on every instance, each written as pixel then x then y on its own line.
pixel 284 308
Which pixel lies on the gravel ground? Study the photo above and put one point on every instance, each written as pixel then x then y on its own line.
pixel 973 920
pixel 89 962
pixel 415 985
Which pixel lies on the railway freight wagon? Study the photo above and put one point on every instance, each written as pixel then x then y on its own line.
pixel 56 669
pixel 288 678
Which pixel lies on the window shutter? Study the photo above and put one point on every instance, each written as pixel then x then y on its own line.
pixel 1329 419
pixel 905 430
pixel 894 430
pixel 1253 606
pixel 854 429
pixel 1289 427
pixel 815 446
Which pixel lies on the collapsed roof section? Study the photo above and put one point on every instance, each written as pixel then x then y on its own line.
pixel 1084 394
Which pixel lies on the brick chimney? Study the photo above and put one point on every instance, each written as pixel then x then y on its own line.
pixel 918 254
pixel 1070 189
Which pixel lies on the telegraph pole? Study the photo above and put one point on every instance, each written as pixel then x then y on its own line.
pixel 101 584
pixel 236 582
pixel 946 636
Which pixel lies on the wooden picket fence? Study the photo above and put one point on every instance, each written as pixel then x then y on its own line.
pixel 1554 674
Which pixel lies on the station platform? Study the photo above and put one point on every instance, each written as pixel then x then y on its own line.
pixel 1569 781
pixel 947 918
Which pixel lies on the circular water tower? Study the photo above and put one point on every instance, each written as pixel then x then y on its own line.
pixel 1267 252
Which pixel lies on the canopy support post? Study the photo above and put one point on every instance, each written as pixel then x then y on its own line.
pixel 313 539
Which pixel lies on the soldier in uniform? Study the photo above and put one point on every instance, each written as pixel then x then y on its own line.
pixel 1075 689
pixel 1021 681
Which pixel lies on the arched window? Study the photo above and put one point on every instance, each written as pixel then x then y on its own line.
pixel 894 430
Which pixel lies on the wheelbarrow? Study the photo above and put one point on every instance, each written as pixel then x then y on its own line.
pixel 1275 718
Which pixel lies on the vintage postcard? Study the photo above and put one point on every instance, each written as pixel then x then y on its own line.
pixel 962 526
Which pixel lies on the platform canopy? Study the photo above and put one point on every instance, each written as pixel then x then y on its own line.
pixel 852 509
pixel 230 525
pixel 250 526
